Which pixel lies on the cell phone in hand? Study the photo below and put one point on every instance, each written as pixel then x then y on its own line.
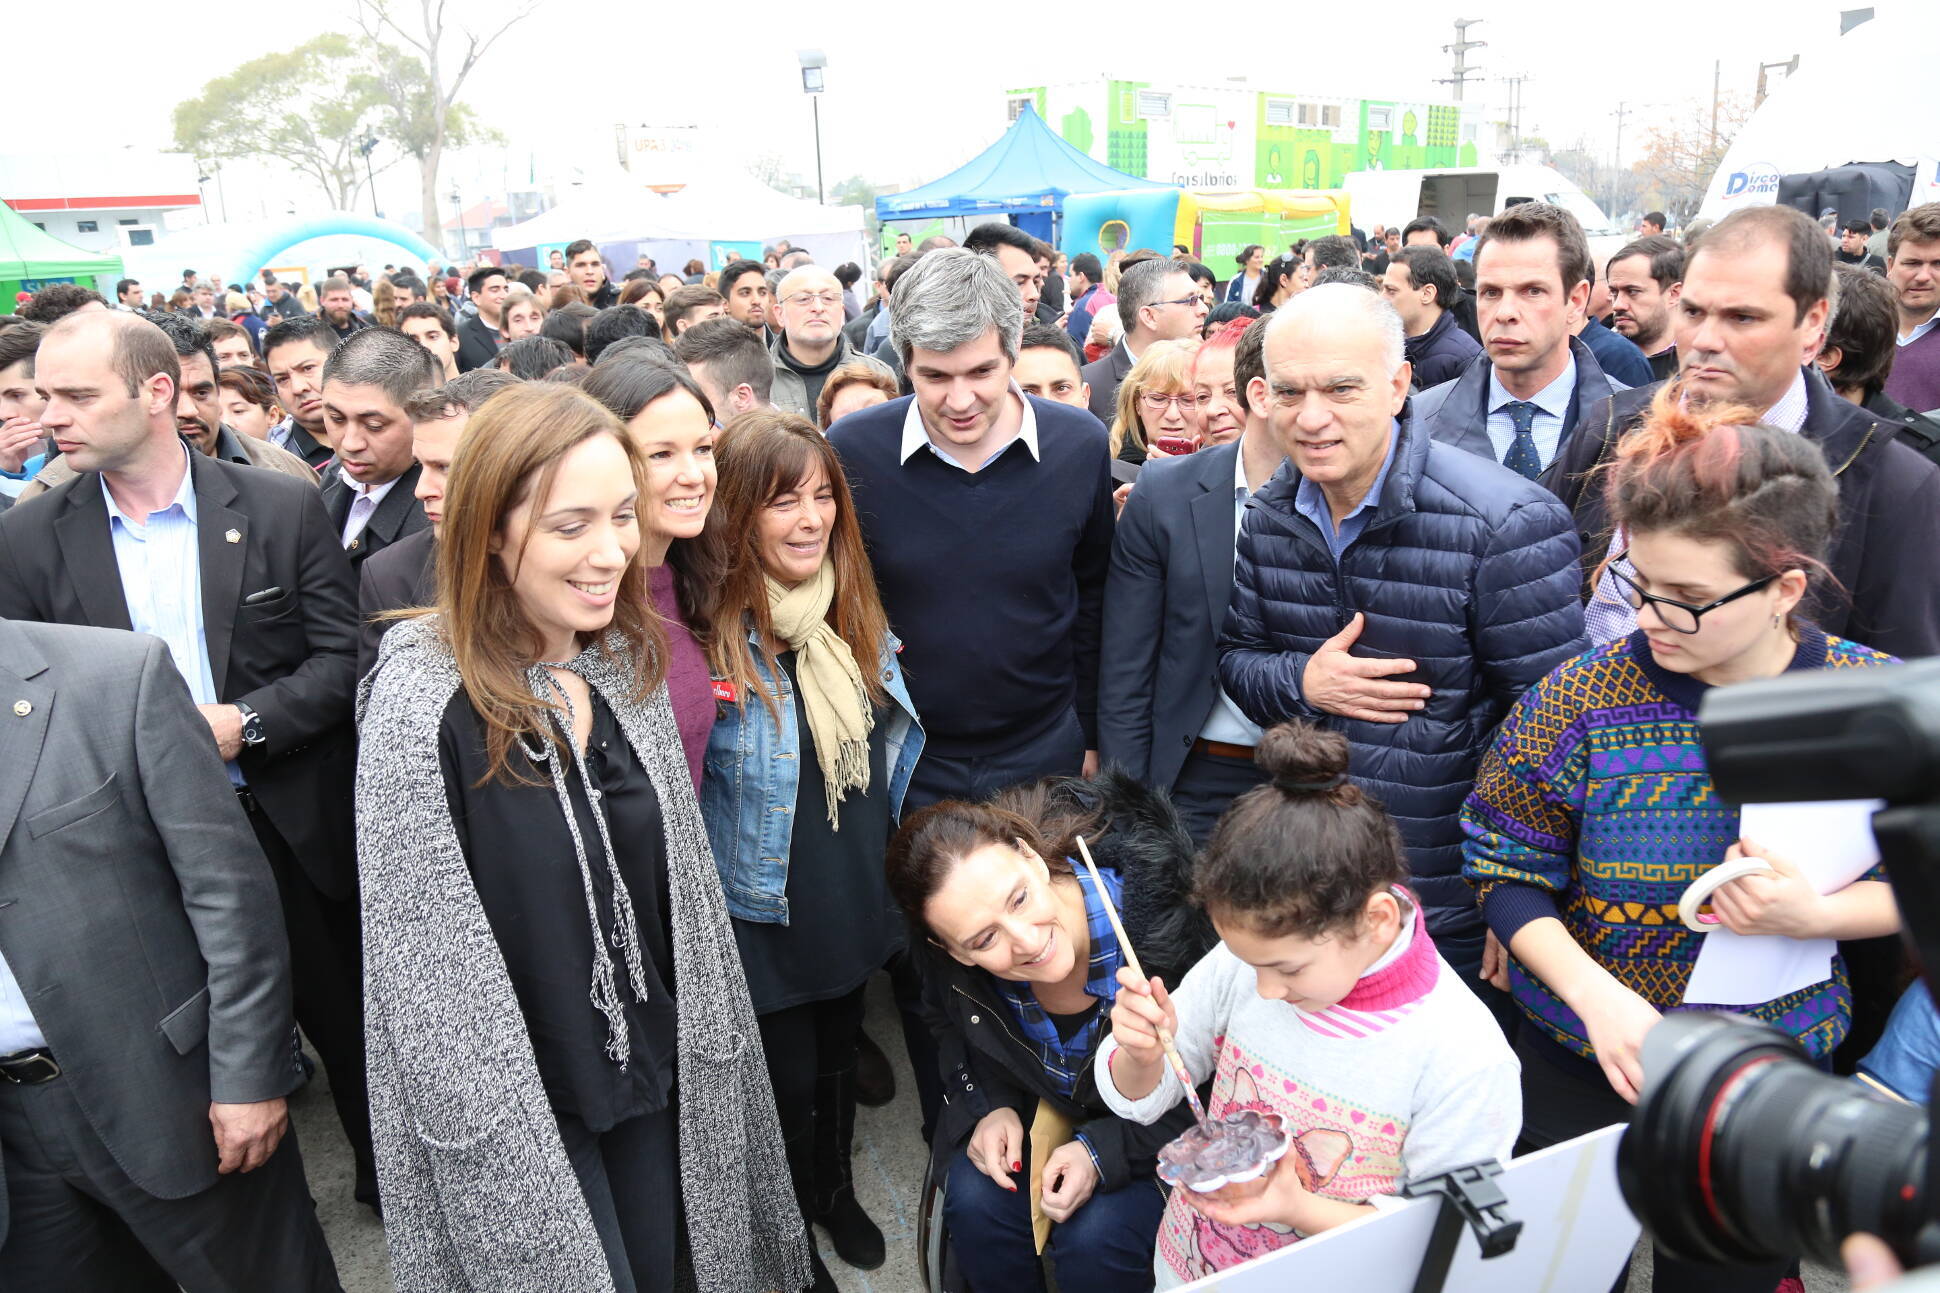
pixel 1176 445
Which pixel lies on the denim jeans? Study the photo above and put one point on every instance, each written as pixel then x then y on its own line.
pixel 1106 1246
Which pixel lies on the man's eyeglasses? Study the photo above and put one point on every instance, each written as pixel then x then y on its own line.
pixel 1678 617
pixel 1157 403
pixel 801 300
pixel 1194 299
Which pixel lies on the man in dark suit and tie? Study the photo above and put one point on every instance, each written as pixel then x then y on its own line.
pixel 239 571
pixel 366 384
pixel 1162 716
pixel 405 574
pixel 144 990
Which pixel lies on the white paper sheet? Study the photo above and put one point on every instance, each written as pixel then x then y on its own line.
pixel 1832 843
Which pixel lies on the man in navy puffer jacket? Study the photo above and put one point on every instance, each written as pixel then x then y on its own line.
pixel 1398 590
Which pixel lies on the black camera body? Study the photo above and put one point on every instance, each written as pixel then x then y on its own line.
pixel 1739 1150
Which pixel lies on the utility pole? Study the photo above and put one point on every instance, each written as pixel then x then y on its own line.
pixel 1515 115
pixel 1462 72
pixel 1623 110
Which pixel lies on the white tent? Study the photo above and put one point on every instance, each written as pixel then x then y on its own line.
pixel 1804 125
pixel 721 203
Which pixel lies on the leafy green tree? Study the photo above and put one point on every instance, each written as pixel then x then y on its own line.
pixel 306 108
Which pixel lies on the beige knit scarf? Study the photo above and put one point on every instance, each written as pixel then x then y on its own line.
pixel 831 688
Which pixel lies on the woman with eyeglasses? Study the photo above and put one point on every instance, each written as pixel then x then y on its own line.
pixel 1594 811
pixel 1156 415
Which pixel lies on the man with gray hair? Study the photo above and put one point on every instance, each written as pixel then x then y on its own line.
pixel 988 516
pixel 1392 588
pixel 367 382
pixel 1157 301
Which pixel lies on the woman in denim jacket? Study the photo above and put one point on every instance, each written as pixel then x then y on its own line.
pixel 812 746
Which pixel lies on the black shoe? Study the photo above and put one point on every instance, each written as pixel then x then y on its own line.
pixel 820 1281
pixel 857 1240
pixel 875 1080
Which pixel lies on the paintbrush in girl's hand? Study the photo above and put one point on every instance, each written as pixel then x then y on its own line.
pixel 1131 959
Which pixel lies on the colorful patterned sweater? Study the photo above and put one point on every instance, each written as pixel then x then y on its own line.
pixel 1594 806
pixel 1408 1076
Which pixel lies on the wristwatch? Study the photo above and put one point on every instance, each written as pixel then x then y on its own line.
pixel 252 725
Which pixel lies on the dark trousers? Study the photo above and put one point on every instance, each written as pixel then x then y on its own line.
pixel 1565 1096
pixel 811 1054
pixel 1059 751
pixel 1106 1246
pixel 1206 787
pixel 630 1176
pixel 78 1224
pixel 327 987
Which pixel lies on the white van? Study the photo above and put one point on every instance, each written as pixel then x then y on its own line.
pixel 1451 195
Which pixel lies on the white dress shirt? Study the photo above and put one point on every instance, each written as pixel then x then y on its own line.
pixel 1553 403
pixel 1226 724
pixel 916 436
pixel 363 502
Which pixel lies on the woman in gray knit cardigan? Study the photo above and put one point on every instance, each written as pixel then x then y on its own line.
pixel 549 1112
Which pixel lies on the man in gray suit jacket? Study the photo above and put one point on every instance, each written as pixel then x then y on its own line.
pixel 144 990
pixel 1161 714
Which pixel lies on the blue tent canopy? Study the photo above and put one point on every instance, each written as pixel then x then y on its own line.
pixel 1030 169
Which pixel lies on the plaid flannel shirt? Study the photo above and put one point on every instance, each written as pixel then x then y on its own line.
pixel 1064 1060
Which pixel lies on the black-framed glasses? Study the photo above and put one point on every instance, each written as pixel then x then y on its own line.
pixel 1678 617
pixel 1194 299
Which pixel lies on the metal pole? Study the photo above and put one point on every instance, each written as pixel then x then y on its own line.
pixel 371 176
pixel 815 101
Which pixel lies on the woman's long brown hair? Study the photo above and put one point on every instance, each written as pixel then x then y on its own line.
pixel 762 454
pixel 510 452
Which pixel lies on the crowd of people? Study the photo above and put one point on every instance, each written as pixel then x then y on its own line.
pixel 559 698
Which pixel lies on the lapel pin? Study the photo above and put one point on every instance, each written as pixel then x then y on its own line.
pixel 22 708
pixel 234 536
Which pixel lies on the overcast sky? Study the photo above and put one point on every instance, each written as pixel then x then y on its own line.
pixel 912 92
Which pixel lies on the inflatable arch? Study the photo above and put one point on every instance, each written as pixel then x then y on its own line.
pixel 275 238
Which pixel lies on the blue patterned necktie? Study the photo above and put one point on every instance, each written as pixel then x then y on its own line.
pixel 1522 457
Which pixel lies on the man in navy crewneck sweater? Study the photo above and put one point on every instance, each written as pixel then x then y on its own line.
pixel 988 518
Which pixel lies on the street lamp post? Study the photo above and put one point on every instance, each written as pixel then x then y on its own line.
pixel 813 63
pixel 458 215
pixel 367 147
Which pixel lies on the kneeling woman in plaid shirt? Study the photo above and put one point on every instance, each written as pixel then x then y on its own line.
pixel 1020 967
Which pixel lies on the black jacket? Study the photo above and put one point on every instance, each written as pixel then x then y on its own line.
pixel 1440 354
pixel 1889 516
pixel 1165 600
pixel 1105 376
pixel 1918 432
pixel 477 343
pixel 987 1066
pixel 403 574
pixel 308 447
pixel 291 657
pixel 398 515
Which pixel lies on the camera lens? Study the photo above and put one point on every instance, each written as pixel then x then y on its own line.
pixel 1741 1152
